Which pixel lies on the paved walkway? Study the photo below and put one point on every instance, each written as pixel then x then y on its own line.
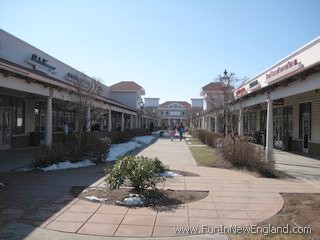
pixel 299 166
pixel 234 198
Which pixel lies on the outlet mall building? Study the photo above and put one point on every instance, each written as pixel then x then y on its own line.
pixel 281 105
pixel 35 96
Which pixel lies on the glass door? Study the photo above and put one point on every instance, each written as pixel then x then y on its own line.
pixel 5 129
pixel 305 131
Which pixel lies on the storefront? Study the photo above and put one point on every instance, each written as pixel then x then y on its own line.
pixel 281 106
pixel 37 98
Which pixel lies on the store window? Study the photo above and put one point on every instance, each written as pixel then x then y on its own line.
pixel 249 123
pixel 18 117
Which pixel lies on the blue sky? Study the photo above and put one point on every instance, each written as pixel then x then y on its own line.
pixel 170 47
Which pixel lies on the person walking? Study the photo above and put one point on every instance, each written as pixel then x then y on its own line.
pixel 151 126
pixel 172 131
pixel 181 130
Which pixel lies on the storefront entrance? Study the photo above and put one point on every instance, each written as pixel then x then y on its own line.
pixel 305 131
pixel 5 128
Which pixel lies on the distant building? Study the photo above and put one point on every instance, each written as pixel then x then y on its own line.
pixel 173 112
pixel 127 92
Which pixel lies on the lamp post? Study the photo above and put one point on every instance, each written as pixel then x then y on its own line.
pixel 225 80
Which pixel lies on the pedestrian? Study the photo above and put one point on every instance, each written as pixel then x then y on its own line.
pixel 65 131
pixel 181 130
pixel 151 126
pixel 172 131
pixel 65 128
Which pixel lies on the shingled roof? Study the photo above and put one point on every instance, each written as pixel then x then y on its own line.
pixel 127 86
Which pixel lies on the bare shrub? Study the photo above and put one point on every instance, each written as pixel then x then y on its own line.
pixel 73 149
pixel 243 154
pixel 209 138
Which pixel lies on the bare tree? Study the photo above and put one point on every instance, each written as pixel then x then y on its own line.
pixel 193 118
pixel 81 98
pixel 221 101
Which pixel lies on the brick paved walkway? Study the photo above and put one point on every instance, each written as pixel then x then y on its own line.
pixel 234 198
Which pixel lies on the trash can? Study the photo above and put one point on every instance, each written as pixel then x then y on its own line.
pixel 35 138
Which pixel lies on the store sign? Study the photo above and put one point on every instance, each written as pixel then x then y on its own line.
pixel 41 63
pixel 241 92
pixel 289 67
pixel 255 85
pixel 75 79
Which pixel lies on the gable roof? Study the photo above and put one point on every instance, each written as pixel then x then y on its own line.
pixel 182 103
pixel 127 86
pixel 214 87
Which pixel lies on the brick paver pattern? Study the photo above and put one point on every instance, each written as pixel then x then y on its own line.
pixel 235 198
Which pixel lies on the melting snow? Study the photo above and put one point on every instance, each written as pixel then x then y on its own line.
pixel 144 139
pixel 117 150
pixel 68 164
pixel 169 174
pixel 132 200
pixel 96 199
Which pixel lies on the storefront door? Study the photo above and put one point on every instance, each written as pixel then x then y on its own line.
pixel 305 131
pixel 5 129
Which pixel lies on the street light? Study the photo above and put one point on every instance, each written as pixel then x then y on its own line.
pixel 225 79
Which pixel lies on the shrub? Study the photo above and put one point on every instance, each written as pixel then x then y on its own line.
pixel 243 154
pixel 209 138
pixel 142 172
pixel 73 148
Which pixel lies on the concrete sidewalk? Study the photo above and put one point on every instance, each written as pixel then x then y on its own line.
pixel 299 166
pixel 173 153
pixel 234 198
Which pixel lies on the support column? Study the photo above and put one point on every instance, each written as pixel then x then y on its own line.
pixel 136 120
pixel 131 121
pixel 269 140
pixel 203 122
pixel 109 120
pixel 122 122
pixel 240 127
pixel 48 132
pixel 88 122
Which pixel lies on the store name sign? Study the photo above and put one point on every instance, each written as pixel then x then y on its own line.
pixel 241 92
pixel 281 71
pixel 42 62
pixel 255 85
pixel 80 81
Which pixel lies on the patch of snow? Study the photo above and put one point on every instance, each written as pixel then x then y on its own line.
pixel 96 199
pixel 132 200
pixel 157 132
pixel 169 174
pixel 117 150
pixel 144 139
pixel 166 134
pixel 67 165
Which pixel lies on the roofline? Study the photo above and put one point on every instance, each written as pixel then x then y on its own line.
pixel 23 71
pixel 291 55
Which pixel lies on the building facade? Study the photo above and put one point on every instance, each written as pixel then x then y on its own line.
pixel 174 112
pixel 280 107
pixel 36 97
